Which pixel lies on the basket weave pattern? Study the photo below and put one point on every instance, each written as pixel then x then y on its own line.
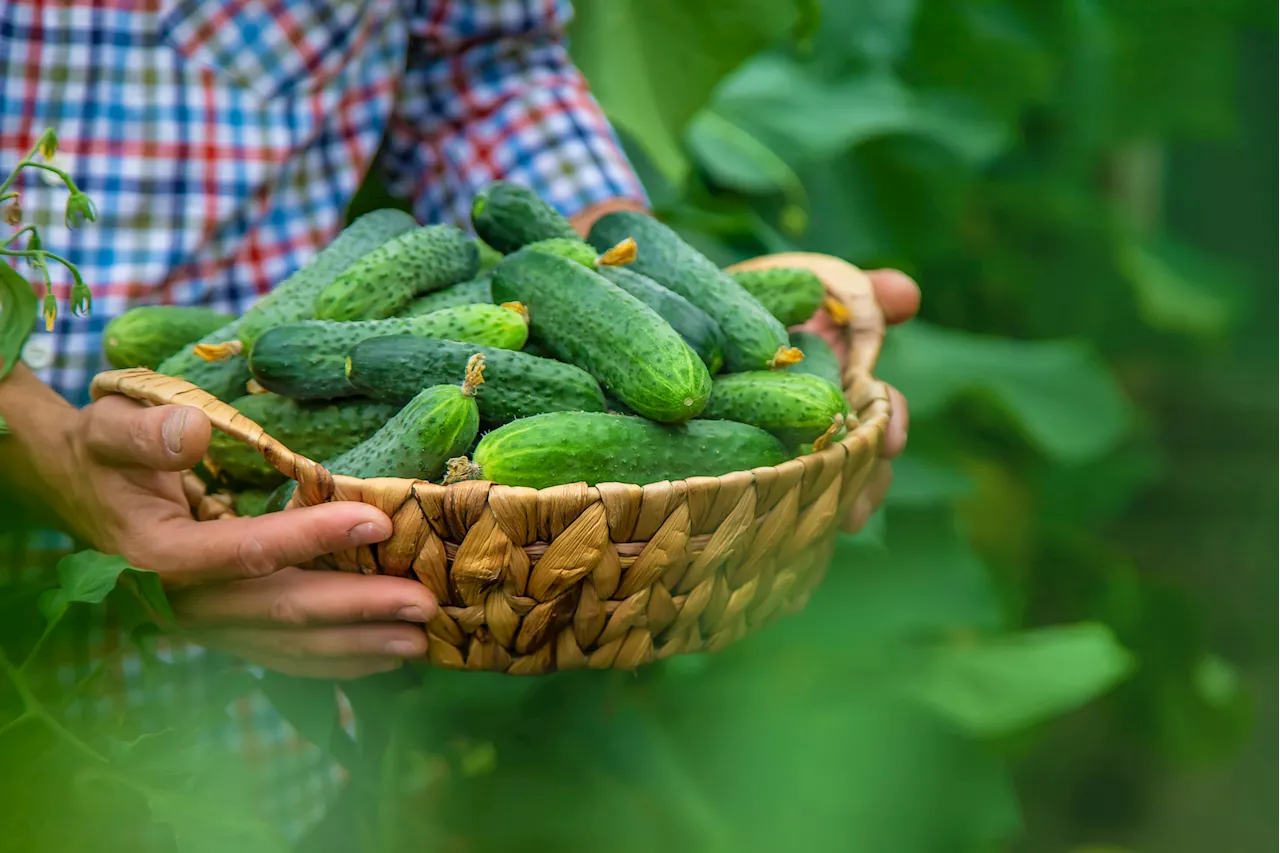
pixel 615 575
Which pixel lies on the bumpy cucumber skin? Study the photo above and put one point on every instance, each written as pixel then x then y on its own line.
pixel 570 447
pixel 752 335
pixel 577 250
pixel 147 335
pixel 819 358
pixel 690 322
pixel 508 217
pixel 516 385
pixel 435 426
pixel 791 294
pixel 387 279
pixel 223 379
pixel 584 319
pixel 793 406
pixel 471 292
pixel 316 430
pixel 308 360
pixel 294 298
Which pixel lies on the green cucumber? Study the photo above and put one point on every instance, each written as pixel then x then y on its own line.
pixel 147 335
pixel 316 430
pixel 819 358
pixel 792 295
pixel 584 319
pixel 307 360
pixel 516 385
pixel 252 502
pixel 690 322
pixel 224 379
pixel 437 425
pixel 476 290
pixel 754 339
pixel 294 298
pixel 508 217
pixel 793 406
pixel 489 256
pixel 570 447
pixel 577 250
pixel 387 279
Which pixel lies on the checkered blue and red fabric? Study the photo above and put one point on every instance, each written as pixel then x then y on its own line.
pixel 222 141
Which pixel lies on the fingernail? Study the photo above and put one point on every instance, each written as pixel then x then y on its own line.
pixel 171 431
pixel 411 613
pixel 403 648
pixel 366 533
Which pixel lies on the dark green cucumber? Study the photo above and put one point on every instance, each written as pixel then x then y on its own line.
pixel 252 502
pixel 437 425
pixel 316 430
pixel 387 279
pixel 819 358
pixel 570 447
pixel 147 335
pixel 690 322
pixel 584 319
pixel 223 379
pixel 508 216
pixel 793 406
pixel 792 295
pixel 294 298
pixel 516 385
pixel 754 339
pixel 467 293
pixel 308 360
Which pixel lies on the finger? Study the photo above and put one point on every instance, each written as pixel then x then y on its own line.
pixel 120 431
pixel 375 639
pixel 897 293
pixel 294 597
pixel 872 496
pixel 187 552
pixel 895 435
pixel 340 669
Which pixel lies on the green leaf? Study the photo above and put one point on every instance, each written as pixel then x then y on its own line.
pixel 1060 392
pixel 89 576
pixel 653 64
pixel 17 316
pixel 737 160
pixel 999 685
pixel 310 705
pixel 1177 292
pixel 923 482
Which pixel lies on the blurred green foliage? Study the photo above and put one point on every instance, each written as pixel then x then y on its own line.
pixel 1034 634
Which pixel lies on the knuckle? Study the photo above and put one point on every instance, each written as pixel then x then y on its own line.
pixel 285 610
pixel 252 558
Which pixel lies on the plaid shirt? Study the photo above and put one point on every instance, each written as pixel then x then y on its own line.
pixel 222 141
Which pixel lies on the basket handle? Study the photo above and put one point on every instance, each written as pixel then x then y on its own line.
pixel 315 483
pixel 852 288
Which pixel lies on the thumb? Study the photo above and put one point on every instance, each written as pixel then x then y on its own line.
pixel 122 432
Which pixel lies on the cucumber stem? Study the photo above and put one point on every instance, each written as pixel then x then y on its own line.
pixel 620 255
pixel 519 308
pixel 837 310
pixel 474 375
pixel 785 357
pixel 460 469
pixel 252 387
pixel 218 352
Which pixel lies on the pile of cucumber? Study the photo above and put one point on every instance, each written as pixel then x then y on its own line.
pixel 525 356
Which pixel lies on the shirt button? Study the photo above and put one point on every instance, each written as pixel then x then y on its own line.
pixel 38 352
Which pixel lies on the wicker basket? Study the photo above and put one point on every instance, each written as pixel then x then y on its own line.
pixel 615 575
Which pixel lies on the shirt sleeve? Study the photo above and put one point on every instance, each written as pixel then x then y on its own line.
pixel 490 93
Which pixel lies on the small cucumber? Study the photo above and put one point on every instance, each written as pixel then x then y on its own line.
pixel 224 379
pixel 792 295
pixel 754 339
pixel 147 335
pixel 316 430
pixel 508 216
pixel 307 360
pixel 793 406
pixel 477 290
pixel 394 369
pixel 294 298
pixel 387 279
pixel 690 322
pixel 570 447
pixel 584 319
pixel 819 358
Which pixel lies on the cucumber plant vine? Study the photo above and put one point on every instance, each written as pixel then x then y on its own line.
pixel 18 304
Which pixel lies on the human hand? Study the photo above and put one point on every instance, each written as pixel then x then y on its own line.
pixel 899 299
pixel 233 582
